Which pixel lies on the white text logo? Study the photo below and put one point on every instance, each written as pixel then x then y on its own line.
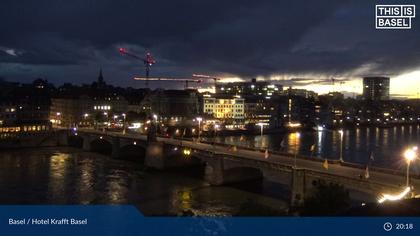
pixel 394 16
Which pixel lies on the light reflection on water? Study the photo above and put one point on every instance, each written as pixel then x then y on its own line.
pixel 386 144
pixel 71 176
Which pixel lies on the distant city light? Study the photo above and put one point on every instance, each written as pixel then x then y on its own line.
pixel 293 125
pixel 135 125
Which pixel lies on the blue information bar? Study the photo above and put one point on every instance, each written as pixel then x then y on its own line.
pixel 124 220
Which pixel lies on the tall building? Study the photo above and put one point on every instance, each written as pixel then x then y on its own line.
pixel 376 88
pixel 249 89
pixel 300 93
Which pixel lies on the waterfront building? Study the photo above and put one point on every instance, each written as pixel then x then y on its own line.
pixel 71 111
pixel 20 128
pixel 230 110
pixel 172 105
pixel 257 110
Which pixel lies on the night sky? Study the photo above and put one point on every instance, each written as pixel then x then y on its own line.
pixel 68 41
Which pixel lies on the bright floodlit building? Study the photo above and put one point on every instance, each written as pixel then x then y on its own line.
pixel 229 110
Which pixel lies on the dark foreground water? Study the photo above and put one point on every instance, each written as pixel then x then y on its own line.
pixel 72 176
pixel 385 144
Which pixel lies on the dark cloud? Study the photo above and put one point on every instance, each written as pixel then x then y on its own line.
pixel 70 40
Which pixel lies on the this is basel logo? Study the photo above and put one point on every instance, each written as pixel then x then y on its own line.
pixel 394 16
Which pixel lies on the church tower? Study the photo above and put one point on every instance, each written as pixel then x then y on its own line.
pixel 101 82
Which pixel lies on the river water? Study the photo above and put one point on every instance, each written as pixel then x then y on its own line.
pixel 386 145
pixel 72 176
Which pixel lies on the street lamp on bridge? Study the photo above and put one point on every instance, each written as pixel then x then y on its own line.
pixel 124 125
pixel 261 125
pixel 296 147
pixel 410 155
pixel 341 144
pixel 199 119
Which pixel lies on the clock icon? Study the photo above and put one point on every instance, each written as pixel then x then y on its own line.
pixel 387 226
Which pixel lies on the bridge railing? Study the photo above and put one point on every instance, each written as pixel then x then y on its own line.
pixel 323 175
pixel 284 154
pixel 320 160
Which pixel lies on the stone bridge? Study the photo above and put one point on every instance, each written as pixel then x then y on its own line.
pixel 224 166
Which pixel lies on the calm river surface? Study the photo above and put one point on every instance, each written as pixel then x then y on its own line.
pixel 73 176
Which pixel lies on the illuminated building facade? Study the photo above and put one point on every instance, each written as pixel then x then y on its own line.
pixel 19 129
pixel 230 110
pixel 258 110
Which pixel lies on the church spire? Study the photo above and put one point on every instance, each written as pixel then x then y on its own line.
pixel 100 77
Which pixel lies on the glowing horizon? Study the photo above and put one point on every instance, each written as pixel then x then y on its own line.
pixel 406 85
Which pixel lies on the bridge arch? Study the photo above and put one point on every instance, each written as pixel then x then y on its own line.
pixel 132 152
pixel 75 141
pixel 240 174
pixel 102 146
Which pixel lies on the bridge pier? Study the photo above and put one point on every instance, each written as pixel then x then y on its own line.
pixel 86 143
pixel 62 138
pixel 115 148
pixel 154 156
pixel 298 187
pixel 213 173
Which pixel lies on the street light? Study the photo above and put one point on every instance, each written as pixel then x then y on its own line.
pixel 341 144
pixel 296 146
pixel 262 127
pixel 107 120
pixel 216 127
pixel 115 120
pixel 124 126
pixel 199 119
pixel 58 118
pixel 409 155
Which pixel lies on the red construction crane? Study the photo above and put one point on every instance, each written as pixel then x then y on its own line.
pixel 148 60
pixel 184 80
